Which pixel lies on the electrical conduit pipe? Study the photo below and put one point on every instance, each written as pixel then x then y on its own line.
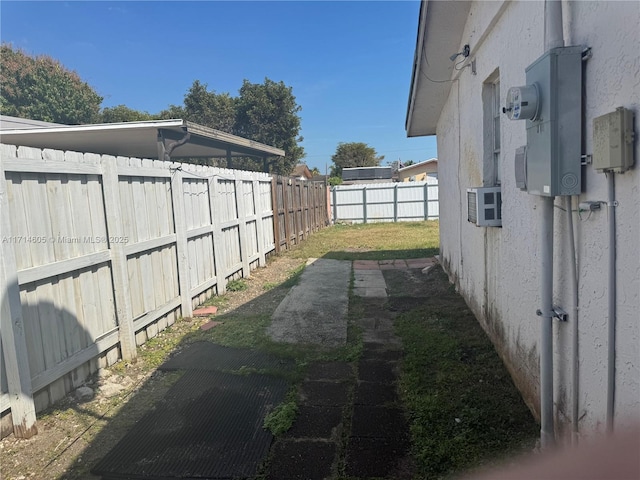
pixel 553 38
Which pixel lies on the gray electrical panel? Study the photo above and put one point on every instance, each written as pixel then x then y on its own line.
pixel 554 134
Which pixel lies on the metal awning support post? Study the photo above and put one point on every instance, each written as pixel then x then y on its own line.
pixel 165 149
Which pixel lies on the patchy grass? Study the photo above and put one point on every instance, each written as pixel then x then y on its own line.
pixel 281 418
pixel 464 409
pixel 374 241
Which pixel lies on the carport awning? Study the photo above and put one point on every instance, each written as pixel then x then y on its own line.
pixel 141 139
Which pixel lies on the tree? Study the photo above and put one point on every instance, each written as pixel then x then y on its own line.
pixel 209 108
pixel 172 112
pixel 122 113
pixel 315 171
pixel 268 113
pixel 40 88
pixel 355 154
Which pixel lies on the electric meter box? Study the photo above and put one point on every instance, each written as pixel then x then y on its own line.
pixel 554 136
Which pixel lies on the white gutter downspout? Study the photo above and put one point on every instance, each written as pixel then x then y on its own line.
pixel 553 37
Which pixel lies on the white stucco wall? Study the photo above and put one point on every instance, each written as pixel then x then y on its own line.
pixel 497 269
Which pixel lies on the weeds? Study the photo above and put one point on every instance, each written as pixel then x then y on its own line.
pixel 237 285
pixel 281 418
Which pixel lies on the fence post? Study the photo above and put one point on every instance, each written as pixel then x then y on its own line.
pixel 287 219
pixel 364 204
pixel 276 212
pixel 395 203
pixel 14 343
pixel 335 204
pixel 426 201
pixel 259 227
pixel 214 195
pixel 242 226
pixel 113 211
pixel 177 198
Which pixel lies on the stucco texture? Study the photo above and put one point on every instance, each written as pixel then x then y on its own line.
pixel 497 269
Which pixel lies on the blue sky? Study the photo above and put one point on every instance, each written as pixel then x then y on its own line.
pixel 349 63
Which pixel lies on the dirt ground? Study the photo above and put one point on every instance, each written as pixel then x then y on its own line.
pixel 74 434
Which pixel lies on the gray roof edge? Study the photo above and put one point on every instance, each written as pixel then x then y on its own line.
pixel 230 138
pixel 414 165
pixel 58 128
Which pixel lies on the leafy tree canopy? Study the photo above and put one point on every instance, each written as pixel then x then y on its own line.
pixel 122 113
pixel 41 88
pixel 354 154
pixel 209 108
pixel 268 113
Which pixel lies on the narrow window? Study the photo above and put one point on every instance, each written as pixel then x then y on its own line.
pixel 491 112
pixel 496 130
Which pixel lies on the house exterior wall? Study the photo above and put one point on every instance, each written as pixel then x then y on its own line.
pixel 497 269
pixel 418 171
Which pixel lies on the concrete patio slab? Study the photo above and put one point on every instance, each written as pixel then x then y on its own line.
pixel 315 310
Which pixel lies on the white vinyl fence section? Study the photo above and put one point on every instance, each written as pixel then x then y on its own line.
pixel 385 202
pixel 100 253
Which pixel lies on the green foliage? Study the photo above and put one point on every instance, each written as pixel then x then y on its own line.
pixel 280 419
pixel 355 154
pixel 333 181
pixel 122 113
pixel 173 111
pixel 210 108
pixel 237 285
pixel 268 113
pixel 40 88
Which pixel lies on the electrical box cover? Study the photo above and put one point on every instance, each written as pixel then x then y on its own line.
pixel 554 136
pixel 613 141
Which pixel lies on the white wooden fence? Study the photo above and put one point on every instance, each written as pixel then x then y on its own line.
pixel 100 253
pixel 385 202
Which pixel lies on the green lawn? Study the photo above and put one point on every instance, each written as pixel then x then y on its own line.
pixel 373 241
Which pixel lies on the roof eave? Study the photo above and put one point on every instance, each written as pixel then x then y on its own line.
pixel 440 28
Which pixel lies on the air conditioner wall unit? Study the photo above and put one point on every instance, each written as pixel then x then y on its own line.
pixel 484 206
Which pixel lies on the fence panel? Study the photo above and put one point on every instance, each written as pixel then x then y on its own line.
pixel 385 202
pixel 103 252
pixel 299 207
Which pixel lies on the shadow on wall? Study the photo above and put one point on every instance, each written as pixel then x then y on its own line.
pixel 52 354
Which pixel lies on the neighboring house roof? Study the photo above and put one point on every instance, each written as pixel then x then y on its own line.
pixel 302 171
pixel 366 173
pixel 140 139
pixel 7 122
pixel 440 30
pixel 417 166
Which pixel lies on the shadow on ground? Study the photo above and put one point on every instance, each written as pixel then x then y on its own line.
pixel 365 410
pixel 201 413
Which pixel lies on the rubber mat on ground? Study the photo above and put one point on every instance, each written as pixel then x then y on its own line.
pixel 208 425
pixel 209 356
